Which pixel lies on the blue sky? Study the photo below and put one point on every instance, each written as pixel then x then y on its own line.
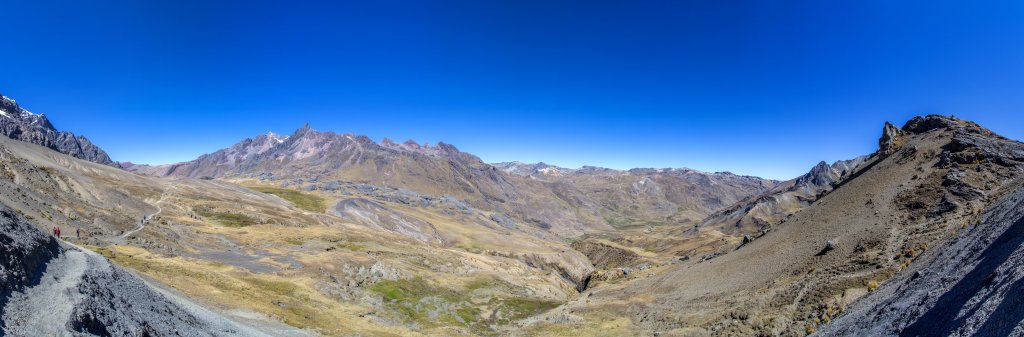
pixel 752 87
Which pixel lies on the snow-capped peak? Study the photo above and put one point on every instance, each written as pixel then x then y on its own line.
pixel 276 138
pixel 18 112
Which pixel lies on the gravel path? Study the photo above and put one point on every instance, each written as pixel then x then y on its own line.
pixel 80 293
pixel 42 310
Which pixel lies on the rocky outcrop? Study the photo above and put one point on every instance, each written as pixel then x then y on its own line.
pixel 890 141
pixel 24 252
pixel 20 124
pixel 972 146
pixel 920 124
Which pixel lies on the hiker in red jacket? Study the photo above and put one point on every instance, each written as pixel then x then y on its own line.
pixel 58 232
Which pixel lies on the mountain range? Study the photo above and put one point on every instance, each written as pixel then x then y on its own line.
pixel 323 233
pixel 570 203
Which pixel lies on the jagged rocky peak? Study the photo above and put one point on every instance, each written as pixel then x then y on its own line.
pixel 820 175
pixel 302 131
pixel 250 147
pixel 20 124
pixel 824 175
pixel 528 169
pixel 306 135
pixel 892 137
pixel 412 146
pixel 274 137
pixel 889 142
pixel 9 109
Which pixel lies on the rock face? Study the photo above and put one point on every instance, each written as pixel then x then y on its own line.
pixel 25 252
pixel 889 142
pixel 20 124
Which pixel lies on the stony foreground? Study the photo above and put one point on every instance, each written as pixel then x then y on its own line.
pixel 51 288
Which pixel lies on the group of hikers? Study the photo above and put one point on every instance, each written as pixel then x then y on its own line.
pixel 56 232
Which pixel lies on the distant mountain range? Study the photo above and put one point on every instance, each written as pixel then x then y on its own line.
pixel 566 201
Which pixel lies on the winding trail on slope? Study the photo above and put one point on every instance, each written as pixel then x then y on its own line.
pixel 146 218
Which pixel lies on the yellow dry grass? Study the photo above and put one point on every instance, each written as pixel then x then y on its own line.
pixel 292 298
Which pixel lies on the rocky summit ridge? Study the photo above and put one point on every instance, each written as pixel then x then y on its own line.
pixel 20 124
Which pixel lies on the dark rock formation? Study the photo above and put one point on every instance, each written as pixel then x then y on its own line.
pixel 889 142
pixel 924 124
pixel 20 124
pixel 24 252
pixel 820 175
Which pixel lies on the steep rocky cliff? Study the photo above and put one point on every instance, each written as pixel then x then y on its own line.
pixel 20 124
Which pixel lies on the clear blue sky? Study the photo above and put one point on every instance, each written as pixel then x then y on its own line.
pixel 752 87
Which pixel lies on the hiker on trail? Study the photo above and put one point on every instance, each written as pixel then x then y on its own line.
pixel 78 233
pixel 58 231
pixel 54 230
